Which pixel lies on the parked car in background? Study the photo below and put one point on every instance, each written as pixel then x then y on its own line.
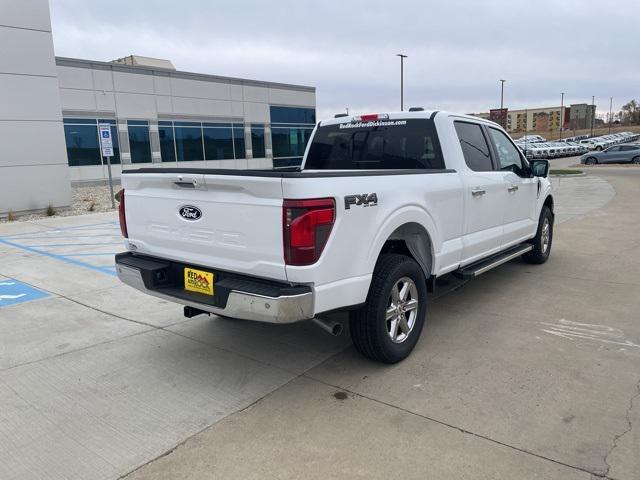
pixel 593 144
pixel 625 153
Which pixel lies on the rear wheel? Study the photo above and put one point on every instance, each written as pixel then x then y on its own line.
pixel 636 160
pixel 387 328
pixel 543 239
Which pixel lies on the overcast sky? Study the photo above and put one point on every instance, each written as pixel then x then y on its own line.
pixel 458 50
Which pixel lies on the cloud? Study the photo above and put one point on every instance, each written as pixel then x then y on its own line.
pixel 457 49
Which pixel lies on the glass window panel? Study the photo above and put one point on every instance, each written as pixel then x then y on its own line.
pixel 188 143
pixel 165 123
pixel 292 115
pixel 82 144
pixel 218 143
pixel 412 144
pixel 257 141
pixel 80 121
pixel 287 162
pixel 289 142
pixel 139 143
pixel 474 146
pixel 508 153
pixel 209 124
pixel 138 123
pixel 187 124
pixel 167 148
pixel 238 140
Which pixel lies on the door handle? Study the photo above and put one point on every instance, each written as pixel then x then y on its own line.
pixel 512 188
pixel 478 192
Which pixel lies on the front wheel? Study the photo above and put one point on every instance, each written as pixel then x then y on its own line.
pixel 599 148
pixel 591 161
pixel 387 328
pixel 543 239
pixel 636 160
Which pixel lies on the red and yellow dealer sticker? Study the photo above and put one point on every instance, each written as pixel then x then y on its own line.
pixel 198 281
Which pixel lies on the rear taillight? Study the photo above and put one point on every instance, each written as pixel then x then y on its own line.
pixel 306 226
pixel 121 214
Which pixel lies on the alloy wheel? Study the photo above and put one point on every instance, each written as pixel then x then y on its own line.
pixel 402 310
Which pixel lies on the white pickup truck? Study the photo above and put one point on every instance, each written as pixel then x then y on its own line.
pixel 381 206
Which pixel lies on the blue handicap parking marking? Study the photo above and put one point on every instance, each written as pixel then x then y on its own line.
pixel 12 292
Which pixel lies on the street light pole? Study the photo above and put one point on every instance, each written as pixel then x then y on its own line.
pixel 561 113
pixel 610 113
pixel 502 115
pixel 402 57
pixel 593 114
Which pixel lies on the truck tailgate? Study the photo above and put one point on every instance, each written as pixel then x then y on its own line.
pixel 239 229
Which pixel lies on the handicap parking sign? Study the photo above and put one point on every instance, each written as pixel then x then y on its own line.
pixel 12 292
pixel 106 142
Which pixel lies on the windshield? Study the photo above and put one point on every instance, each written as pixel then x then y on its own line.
pixel 389 144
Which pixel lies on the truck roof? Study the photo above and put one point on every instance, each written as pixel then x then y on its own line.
pixel 399 116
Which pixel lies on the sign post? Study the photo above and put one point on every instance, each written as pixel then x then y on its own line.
pixel 106 143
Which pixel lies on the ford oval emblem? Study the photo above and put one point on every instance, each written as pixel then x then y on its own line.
pixel 189 212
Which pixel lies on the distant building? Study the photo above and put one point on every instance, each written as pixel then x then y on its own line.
pixel 574 117
pixel 537 119
pixel 499 115
pixel 51 108
pixel 582 116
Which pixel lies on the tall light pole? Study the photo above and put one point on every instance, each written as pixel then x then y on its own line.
pixel 526 129
pixel 561 113
pixel 502 115
pixel 610 112
pixel 593 114
pixel 402 57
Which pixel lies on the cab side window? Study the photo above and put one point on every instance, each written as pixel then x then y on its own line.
pixel 474 146
pixel 508 154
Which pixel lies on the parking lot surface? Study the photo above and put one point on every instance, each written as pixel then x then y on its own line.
pixel 525 372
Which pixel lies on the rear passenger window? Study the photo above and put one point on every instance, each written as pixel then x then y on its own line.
pixel 474 146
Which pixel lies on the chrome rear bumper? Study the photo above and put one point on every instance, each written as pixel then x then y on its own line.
pixel 240 305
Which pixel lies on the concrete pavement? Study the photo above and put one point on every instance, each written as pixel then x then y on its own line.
pixel 526 372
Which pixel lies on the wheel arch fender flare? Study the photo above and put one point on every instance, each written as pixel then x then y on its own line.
pixel 548 201
pixel 416 227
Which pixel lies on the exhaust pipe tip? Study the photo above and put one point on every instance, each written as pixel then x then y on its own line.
pixel 329 326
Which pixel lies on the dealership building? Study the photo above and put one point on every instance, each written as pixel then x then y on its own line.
pixel 51 107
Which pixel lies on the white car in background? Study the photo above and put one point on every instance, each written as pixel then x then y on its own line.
pixel 593 144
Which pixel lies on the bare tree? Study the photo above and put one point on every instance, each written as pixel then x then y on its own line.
pixel 631 112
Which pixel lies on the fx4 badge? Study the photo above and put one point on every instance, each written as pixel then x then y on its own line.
pixel 366 200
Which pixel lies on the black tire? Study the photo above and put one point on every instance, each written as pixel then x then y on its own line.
pixel 370 329
pixel 599 148
pixel 591 161
pixel 540 252
pixel 635 160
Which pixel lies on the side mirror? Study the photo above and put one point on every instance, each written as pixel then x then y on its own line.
pixel 540 168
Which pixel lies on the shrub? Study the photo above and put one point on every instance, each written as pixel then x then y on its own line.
pixel 50 211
